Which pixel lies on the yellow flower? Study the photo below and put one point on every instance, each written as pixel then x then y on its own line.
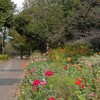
pixel 57 57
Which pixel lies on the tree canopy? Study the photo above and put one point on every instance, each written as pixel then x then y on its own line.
pixel 52 22
pixel 6 13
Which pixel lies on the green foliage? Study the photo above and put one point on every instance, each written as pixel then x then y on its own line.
pixel 52 21
pixel 39 22
pixel 9 50
pixel 4 57
pixel 78 48
pixel 6 13
pixel 74 50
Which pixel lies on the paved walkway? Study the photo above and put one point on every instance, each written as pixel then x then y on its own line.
pixel 10 77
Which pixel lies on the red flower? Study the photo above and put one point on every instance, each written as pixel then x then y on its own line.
pixel 65 67
pixel 35 89
pixel 51 98
pixel 82 86
pixel 77 82
pixel 36 82
pixel 48 73
pixel 70 65
pixel 80 80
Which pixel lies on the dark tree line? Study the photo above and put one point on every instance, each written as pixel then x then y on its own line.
pixel 52 23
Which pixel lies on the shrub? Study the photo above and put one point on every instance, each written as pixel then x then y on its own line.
pixel 56 54
pixel 4 57
pixel 78 48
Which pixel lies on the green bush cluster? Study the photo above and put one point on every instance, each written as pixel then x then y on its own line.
pixel 79 48
pixel 74 50
pixel 4 57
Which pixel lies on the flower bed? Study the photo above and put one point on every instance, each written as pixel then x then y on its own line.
pixel 53 78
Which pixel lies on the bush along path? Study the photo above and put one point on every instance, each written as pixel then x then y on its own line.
pixel 59 77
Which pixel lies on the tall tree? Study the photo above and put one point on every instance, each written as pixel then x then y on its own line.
pixel 6 13
pixel 6 16
pixel 46 19
pixel 52 21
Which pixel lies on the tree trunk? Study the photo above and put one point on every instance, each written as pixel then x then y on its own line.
pixel 0 49
pixel 21 52
pixel 47 47
pixel 30 50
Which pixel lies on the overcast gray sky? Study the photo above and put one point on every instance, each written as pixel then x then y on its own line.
pixel 18 2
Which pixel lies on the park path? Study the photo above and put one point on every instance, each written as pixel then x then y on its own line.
pixel 10 77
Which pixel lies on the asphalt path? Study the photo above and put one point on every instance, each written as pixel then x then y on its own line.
pixel 10 77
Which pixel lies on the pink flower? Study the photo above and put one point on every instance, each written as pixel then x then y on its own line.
pixel 43 83
pixel 36 60
pixel 51 98
pixel 44 59
pixel 91 95
pixel 36 82
pixel 90 65
pixel 44 54
pixel 49 73
pixel 33 69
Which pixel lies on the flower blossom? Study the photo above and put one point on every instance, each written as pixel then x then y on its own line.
pixel 49 73
pixel 51 98
pixel 78 82
pixel 33 69
pixel 43 83
pixel 44 54
pixel 91 95
pixel 65 67
pixel 69 59
pixel 36 82
pixel 82 86
pixel 44 59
